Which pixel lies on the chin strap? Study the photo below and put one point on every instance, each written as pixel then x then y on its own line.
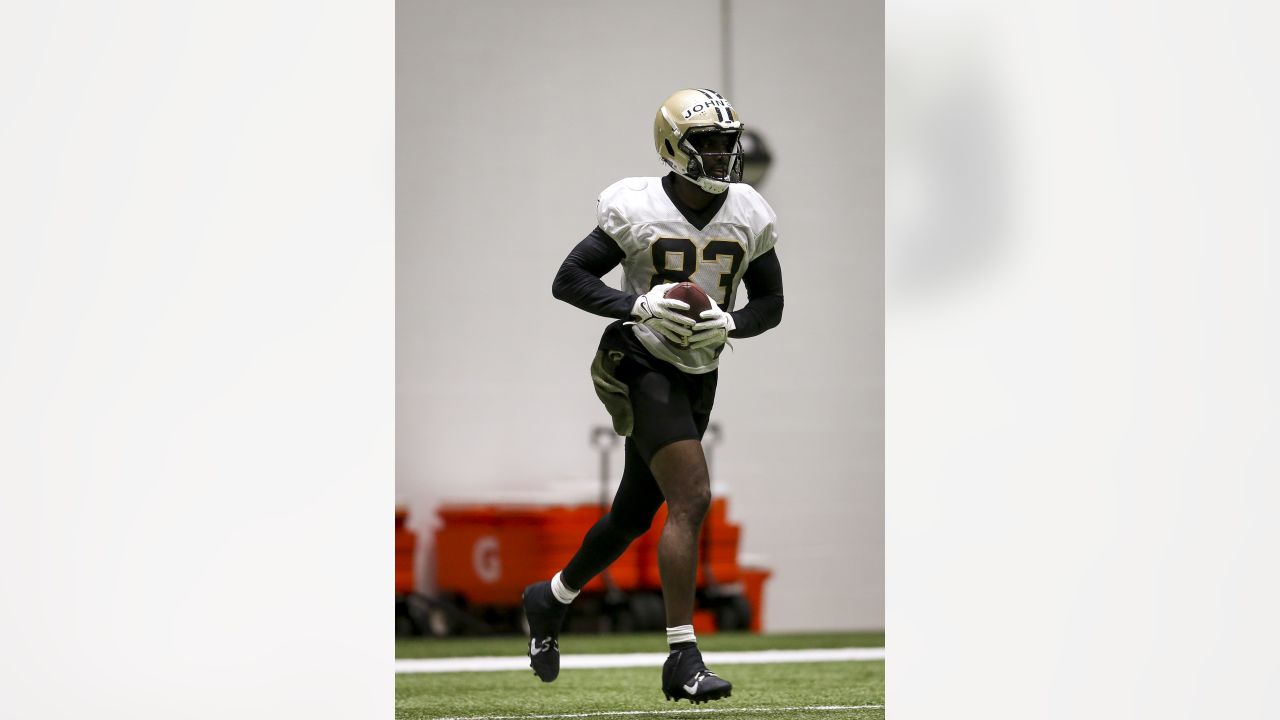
pixel 714 187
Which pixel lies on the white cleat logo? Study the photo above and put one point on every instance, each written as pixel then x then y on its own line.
pixel 697 681
pixel 534 649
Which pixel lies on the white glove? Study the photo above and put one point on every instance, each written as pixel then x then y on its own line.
pixel 714 329
pixel 662 314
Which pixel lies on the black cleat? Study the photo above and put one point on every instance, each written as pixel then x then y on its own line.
pixel 544 614
pixel 685 676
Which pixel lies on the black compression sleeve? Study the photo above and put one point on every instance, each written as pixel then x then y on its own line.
pixel 763 310
pixel 578 280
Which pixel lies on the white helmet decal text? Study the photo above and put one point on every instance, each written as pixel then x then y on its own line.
pixel 704 105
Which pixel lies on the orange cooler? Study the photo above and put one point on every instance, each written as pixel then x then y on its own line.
pixel 489 553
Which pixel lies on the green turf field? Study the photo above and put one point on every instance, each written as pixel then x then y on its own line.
pixel 639 642
pixel 760 691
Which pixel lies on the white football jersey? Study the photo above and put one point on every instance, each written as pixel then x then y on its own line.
pixel 662 246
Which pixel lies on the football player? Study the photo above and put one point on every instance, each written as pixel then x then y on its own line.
pixel 655 368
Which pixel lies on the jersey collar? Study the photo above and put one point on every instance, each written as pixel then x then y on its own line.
pixel 697 218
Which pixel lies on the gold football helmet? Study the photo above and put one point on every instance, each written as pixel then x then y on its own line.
pixel 697 133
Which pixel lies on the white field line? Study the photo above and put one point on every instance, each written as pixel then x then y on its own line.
pixel 623 713
pixel 621 660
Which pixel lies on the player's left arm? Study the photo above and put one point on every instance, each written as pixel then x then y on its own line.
pixel 763 311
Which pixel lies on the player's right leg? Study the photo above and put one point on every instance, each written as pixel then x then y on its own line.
pixel 546 603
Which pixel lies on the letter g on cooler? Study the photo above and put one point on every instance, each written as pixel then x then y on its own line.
pixel 485 560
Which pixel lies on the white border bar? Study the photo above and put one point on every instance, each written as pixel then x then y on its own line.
pixel 621 660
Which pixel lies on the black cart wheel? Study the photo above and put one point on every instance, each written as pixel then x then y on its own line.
pixel 733 613
pixel 649 612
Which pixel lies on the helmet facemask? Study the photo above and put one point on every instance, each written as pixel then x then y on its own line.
pixel 715 157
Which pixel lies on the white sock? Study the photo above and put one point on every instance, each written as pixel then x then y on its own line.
pixel 679 634
pixel 562 591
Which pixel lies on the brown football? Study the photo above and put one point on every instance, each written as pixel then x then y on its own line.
pixel 692 295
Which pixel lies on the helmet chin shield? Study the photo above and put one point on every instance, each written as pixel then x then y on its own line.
pixel 697 134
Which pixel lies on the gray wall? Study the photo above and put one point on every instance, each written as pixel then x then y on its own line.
pixel 511 117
